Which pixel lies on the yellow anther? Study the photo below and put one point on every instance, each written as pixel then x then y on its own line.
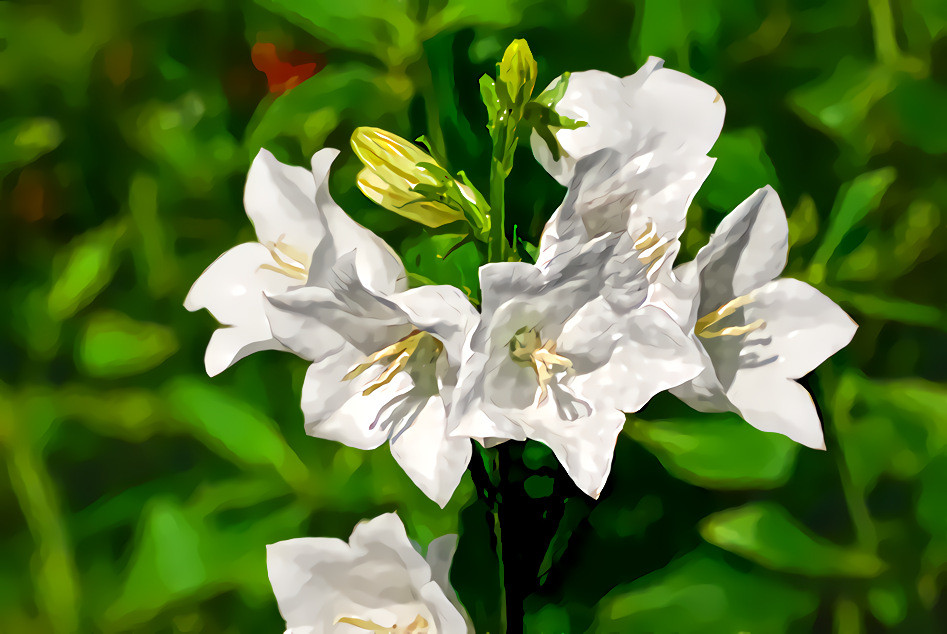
pixel 710 319
pixel 650 246
pixel 525 349
pixel 418 344
pixel 290 261
pixel 420 625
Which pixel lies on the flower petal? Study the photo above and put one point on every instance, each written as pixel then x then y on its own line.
pixel 306 595
pixel 440 553
pixel 232 288
pixel 747 250
pixel 650 354
pixel 280 201
pixel 584 446
pixel 802 327
pixel 443 311
pixel 378 266
pixel 626 113
pixel 772 403
pixel 338 410
pixel 433 460
pixel 311 320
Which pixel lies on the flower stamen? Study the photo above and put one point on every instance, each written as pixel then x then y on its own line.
pixel 418 344
pixel 710 319
pixel 525 349
pixel 418 626
pixel 292 263
pixel 650 246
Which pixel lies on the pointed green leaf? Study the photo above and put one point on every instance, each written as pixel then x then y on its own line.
pixel 767 534
pixel 718 451
pixel 701 593
pixel 113 344
pixel 233 428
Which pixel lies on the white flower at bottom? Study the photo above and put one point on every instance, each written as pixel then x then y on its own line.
pixel 757 333
pixel 377 582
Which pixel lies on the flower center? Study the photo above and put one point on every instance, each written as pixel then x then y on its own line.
pixel 288 260
pixel 704 323
pixel 527 349
pixel 418 626
pixel 419 347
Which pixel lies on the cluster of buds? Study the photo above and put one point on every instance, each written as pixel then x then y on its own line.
pixel 403 178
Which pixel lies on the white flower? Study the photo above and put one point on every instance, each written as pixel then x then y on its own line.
pixel 758 333
pixel 377 582
pixel 293 214
pixel 384 368
pixel 636 164
pixel 562 350
pixel 656 113
pixel 320 285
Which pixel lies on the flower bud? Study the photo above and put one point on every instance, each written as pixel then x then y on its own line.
pixel 401 177
pixel 518 72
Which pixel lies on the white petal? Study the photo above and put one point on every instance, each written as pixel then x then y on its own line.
pixel 443 311
pixel 627 113
pixel 301 573
pixel 748 250
pixel 440 552
pixel 378 266
pixel 584 446
pixel 232 289
pixel 338 410
pixel 447 616
pixel 433 460
pixel 772 403
pixel 280 201
pixel 650 354
pixel 802 327
pixel 311 320
pixel 229 345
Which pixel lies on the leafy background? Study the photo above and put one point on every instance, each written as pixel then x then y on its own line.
pixel 138 493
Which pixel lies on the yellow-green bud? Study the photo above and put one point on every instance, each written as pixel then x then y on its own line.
pixel 518 72
pixel 392 174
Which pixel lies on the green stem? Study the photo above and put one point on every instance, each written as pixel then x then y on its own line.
pixel 498 244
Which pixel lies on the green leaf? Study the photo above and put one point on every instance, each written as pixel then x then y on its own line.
pixel 718 451
pixel 742 167
pixel 113 344
pixel 233 429
pixel 22 141
pixel 194 552
pixel 381 28
pixel 132 414
pixel 701 593
pixel 839 103
pixel 427 255
pixel 767 534
pixel 855 200
pixel 85 269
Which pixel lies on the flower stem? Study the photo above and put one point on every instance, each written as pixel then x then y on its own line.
pixel 498 244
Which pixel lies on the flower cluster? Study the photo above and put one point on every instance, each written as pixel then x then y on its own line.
pixel 559 351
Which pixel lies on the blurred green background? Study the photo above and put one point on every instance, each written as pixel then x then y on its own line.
pixel 137 494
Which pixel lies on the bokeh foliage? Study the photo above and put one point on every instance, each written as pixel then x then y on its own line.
pixel 138 493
